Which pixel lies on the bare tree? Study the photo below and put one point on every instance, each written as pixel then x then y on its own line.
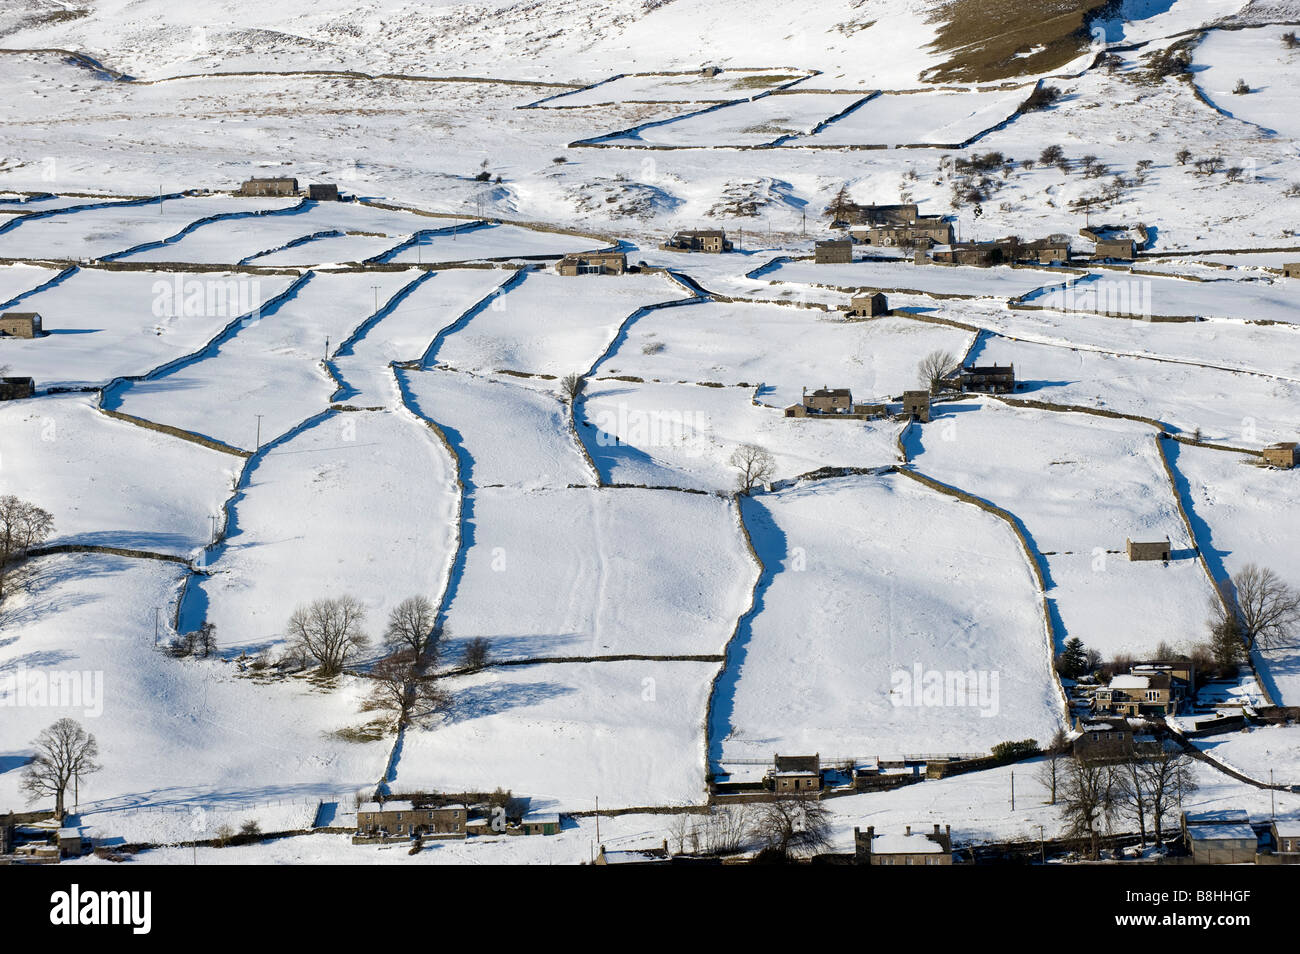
pixel 571 385
pixel 1088 800
pixel 329 631
pixel 755 465
pixel 1050 770
pixel 22 526
pixel 410 626
pixel 936 366
pixel 403 690
pixel 679 828
pixel 726 827
pixel 65 752
pixel 477 652
pixel 791 825
pixel 1131 794
pixel 1167 777
pixel 1267 609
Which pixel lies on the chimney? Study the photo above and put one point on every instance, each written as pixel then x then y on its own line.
pixel 871 832
pixel 936 828
pixel 909 831
pixel 947 830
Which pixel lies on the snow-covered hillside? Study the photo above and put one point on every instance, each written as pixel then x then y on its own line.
pixel 240 405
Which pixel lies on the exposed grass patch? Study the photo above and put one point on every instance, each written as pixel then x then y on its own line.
pixel 991 40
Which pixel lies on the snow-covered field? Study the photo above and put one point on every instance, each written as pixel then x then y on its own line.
pixel 897 119
pixel 754 122
pixel 684 435
pixel 1245 410
pixel 850 626
pixel 271 366
pixel 1246 514
pixel 635 644
pixel 584 572
pixel 87 465
pixel 101 324
pixel 360 504
pixel 782 348
pixel 551 324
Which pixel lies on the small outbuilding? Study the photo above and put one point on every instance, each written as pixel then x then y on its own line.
pixel 916 405
pixel 1152 550
pixel 1285 455
pixel 20 324
pixel 833 252
pixel 15 389
pixel 323 192
pixel 867 305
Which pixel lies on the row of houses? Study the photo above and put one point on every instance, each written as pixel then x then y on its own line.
pixel 399 820
pixel 287 186
pixel 838 403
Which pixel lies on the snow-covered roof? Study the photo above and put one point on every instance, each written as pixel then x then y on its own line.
pixel 1222 816
pixel 403 806
pixel 1287 829
pixel 914 844
pixel 1130 682
pixel 551 818
pixel 1220 832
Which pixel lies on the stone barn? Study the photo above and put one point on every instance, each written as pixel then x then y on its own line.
pixel 20 324
pixel 1121 250
pixel 15 389
pixel 323 192
pixel 269 187
pixel 867 305
pixel 1153 550
pixel 834 252
pixel 916 405
pixel 986 379
pixel 1285 455
pixel 1291 270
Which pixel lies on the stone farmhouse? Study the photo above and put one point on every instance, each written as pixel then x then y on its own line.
pixel 698 240
pixel 1285 455
pixel 854 214
pixel 928 848
pixel 1152 550
pixel 1149 690
pixel 399 820
pixel 834 252
pixel 1048 251
pixel 1001 251
pixel 20 324
pixel 794 773
pixel 1111 739
pixel 926 232
pixel 834 403
pixel 592 263
pixel 15 389
pixel 269 187
pixel 983 379
pixel 1291 270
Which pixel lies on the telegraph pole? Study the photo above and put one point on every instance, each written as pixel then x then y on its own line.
pixel 1013 790
pixel 258 445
